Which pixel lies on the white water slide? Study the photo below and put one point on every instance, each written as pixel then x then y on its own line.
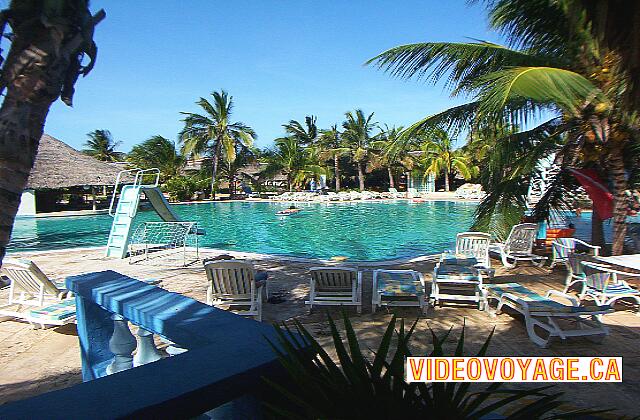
pixel 127 208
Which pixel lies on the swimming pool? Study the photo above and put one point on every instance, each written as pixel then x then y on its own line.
pixel 362 231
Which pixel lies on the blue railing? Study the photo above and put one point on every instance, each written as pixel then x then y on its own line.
pixel 227 356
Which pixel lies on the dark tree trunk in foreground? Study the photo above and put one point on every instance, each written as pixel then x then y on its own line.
pixel 336 171
pixel 41 65
pixel 361 176
pixel 390 172
pixel 616 165
pixel 597 230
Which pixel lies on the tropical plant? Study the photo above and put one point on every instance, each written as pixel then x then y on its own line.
pixel 102 146
pixel 439 157
pixel 357 137
pixel 360 387
pixel 329 145
pixel 231 170
pixel 212 133
pixel 560 62
pixel 157 152
pixel 48 43
pixel 385 155
pixel 292 159
pixel 181 187
pixel 306 134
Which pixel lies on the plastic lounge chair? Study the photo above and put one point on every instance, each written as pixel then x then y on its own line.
pixel 399 288
pixel 601 283
pixel 335 286
pixel 519 246
pixel 547 314
pixel 31 290
pixel 562 247
pixel 455 279
pixel 476 245
pixel 232 284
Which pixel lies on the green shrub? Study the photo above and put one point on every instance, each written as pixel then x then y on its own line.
pixel 181 188
pixel 358 388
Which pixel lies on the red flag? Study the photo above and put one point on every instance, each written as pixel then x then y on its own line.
pixel 598 192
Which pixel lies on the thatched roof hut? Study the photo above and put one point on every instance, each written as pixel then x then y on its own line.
pixel 59 165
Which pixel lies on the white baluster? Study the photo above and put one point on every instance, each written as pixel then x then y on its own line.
pixel 122 344
pixel 147 351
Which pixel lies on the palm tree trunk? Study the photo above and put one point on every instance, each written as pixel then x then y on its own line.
pixel 34 73
pixel 390 172
pixel 361 176
pixel 336 171
pixel 446 181
pixel 216 157
pixel 597 230
pixel 616 166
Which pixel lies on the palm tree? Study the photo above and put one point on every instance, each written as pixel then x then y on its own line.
pixel 292 159
pixel 102 146
pixel 556 65
pixel 244 156
pixel 43 64
pixel 212 132
pixel 438 157
pixel 329 145
pixel 356 137
pixel 158 152
pixel 306 134
pixel 386 155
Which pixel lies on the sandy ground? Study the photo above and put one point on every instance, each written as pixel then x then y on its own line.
pixel 36 361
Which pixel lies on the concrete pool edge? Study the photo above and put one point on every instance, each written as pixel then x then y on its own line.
pixel 252 255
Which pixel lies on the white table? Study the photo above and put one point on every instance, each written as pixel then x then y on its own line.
pixel 622 262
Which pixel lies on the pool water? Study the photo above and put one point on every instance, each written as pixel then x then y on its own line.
pixel 363 231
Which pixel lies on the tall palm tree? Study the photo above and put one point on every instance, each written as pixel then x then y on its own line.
pixel 292 159
pixel 440 158
pixel 42 64
pixel 329 144
pixel 356 136
pixel 213 133
pixel 556 65
pixel 102 146
pixel 158 152
pixel 305 134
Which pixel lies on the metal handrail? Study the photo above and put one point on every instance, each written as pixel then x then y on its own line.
pixel 137 182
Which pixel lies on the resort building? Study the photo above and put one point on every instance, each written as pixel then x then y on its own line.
pixel 63 178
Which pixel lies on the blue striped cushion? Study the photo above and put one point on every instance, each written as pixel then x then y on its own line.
pixel 538 303
pixel 398 285
pixel 620 288
pixel 456 272
pixel 57 311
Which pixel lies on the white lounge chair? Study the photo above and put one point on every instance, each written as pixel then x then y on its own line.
pixel 519 246
pixel 34 297
pixel 232 284
pixel 399 288
pixel 601 283
pixel 393 193
pixel 561 248
pixel 457 282
pixel 548 314
pixel 476 245
pixel 335 286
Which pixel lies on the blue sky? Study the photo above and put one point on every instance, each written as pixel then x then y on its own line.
pixel 280 60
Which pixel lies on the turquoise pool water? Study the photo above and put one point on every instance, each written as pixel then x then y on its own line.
pixel 364 231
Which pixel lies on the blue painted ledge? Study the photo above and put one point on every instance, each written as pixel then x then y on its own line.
pixel 227 356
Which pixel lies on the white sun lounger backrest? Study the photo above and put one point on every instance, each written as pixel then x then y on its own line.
pixel 231 279
pixel 474 244
pixel 28 281
pixel 334 278
pixel 521 239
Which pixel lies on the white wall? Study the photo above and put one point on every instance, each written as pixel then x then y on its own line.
pixel 27 203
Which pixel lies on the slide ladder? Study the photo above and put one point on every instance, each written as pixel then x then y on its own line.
pixel 127 208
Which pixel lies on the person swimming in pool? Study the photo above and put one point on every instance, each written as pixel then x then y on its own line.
pixel 291 210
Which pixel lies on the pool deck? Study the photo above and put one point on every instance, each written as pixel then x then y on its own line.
pixel 36 361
